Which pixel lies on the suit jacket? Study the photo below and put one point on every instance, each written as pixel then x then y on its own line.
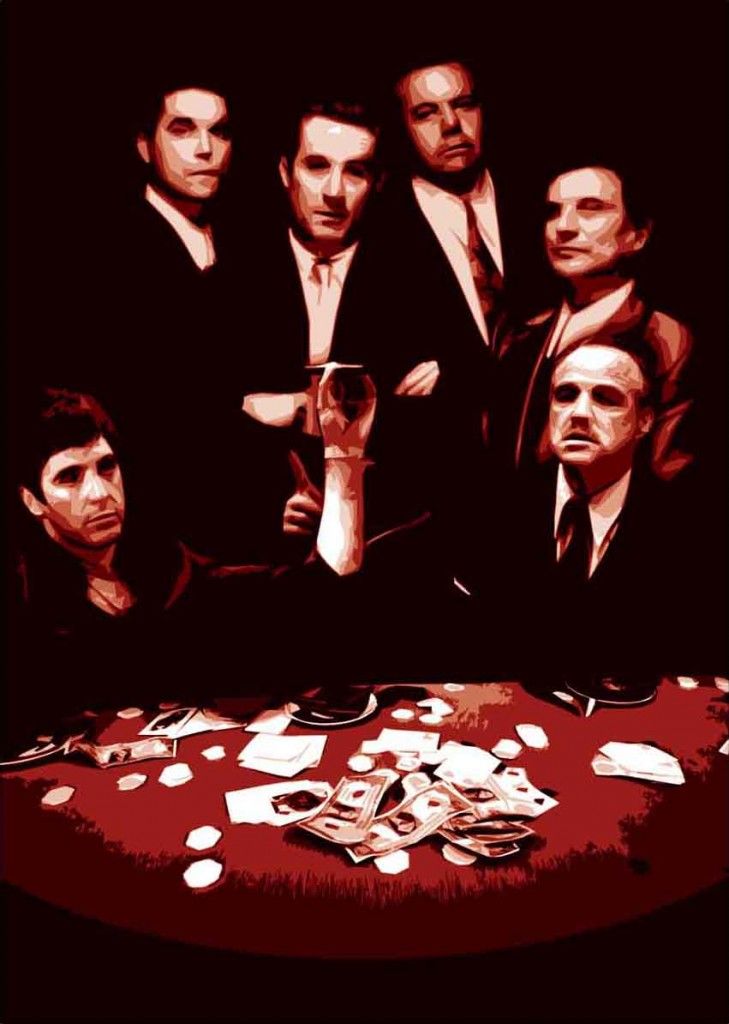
pixel 656 600
pixel 524 376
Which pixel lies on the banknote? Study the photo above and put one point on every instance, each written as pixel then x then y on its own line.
pixel 348 813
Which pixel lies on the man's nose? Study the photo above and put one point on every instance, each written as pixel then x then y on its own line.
pixel 567 225
pixel 581 407
pixel 95 488
pixel 204 145
pixel 450 122
pixel 334 185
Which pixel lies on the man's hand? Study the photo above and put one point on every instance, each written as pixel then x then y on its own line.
pixel 346 405
pixel 421 380
pixel 275 410
pixel 303 509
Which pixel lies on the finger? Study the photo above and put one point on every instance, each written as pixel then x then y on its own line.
pixel 291 528
pixel 303 503
pixel 414 377
pixel 303 484
pixel 299 518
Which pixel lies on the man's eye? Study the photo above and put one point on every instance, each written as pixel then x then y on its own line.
pixel 221 131
pixel 592 205
pixel 107 465
pixel 423 112
pixel 551 211
pixel 180 126
pixel 609 397
pixel 465 103
pixel 358 170
pixel 316 163
pixel 565 393
pixel 70 475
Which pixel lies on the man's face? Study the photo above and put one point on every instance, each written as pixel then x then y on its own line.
pixel 595 412
pixel 330 179
pixel 587 229
pixel 443 117
pixel 190 149
pixel 83 495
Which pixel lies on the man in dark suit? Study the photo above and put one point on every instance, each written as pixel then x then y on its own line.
pixel 605 567
pixel 595 231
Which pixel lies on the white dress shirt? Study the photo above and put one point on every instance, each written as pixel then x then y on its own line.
pixel 322 287
pixel 198 241
pixel 604 509
pixel 446 214
pixel 571 326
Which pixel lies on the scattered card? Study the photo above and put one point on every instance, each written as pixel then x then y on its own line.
pixel 281 803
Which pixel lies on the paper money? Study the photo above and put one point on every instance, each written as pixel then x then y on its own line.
pixel 348 813
pixel 125 753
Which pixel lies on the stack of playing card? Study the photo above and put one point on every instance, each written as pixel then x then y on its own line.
pixel 638 761
pixel 177 723
pixel 282 803
pixel 284 756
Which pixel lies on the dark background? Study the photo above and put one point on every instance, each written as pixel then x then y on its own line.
pixel 645 78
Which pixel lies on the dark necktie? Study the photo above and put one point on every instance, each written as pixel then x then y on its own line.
pixel 573 567
pixel 486 275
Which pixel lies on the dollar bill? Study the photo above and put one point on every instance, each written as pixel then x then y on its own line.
pixel 478 836
pixel 125 753
pixel 418 816
pixel 348 813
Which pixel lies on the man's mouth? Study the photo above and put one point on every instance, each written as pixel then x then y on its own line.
pixel 337 215
pixel 103 518
pixel 458 147
pixel 566 250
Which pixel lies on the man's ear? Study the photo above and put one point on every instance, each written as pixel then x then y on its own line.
pixel 143 148
pixel 34 506
pixel 283 170
pixel 641 236
pixel 646 419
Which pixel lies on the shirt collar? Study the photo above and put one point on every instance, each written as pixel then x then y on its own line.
pixel 432 195
pixel 305 260
pixel 604 507
pixel 185 228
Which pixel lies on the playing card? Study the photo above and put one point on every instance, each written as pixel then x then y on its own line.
pixel 401 740
pixel 205 720
pixel 284 756
pixel 467 767
pixel 282 803
pixel 638 761
pixel 168 723
pixel 513 787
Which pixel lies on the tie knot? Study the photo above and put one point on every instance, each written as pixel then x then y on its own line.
pixel 321 271
pixel 575 515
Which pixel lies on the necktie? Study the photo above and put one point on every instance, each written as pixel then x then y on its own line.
pixel 574 528
pixel 321 274
pixel 486 275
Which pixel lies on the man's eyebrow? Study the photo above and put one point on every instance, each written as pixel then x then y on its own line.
pixel 423 105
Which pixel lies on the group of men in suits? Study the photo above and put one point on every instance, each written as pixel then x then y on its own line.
pixel 552 454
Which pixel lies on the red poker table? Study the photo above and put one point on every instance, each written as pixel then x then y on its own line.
pixel 613 850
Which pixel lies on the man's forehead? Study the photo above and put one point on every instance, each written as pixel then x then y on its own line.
pixel 586 183
pixel 81 456
pixel 337 140
pixel 437 83
pixel 600 364
pixel 197 104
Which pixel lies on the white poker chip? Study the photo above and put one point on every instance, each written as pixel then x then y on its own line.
pixel 506 749
pixel 59 795
pixel 214 753
pixel 455 855
pixel 175 774
pixel 687 682
pixel 393 863
pixel 168 705
pixel 721 684
pixel 130 713
pixel 532 735
pixel 203 837
pixel 361 763
pixel 403 714
pixel 431 719
pixel 453 687
pixel 203 873
pixel 129 782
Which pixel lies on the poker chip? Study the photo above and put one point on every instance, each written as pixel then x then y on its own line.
pixel 687 682
pixel 408 763
pixel 461 858
pixel 453 687
pixel 203 837
pixel 59 795
pixel 361 763
pixel 506 749
pixel 203 873
pixel 393 863
pixel 129 782
pixel 175 774
pixel 130 713
pixel 532 736
pixel 403 715
pixel 214 753
pixel 721 684
pixel 168 705
pixel 431 719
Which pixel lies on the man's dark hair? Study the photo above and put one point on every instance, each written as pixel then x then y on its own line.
pixel 633 344
pixel 149 105
pixel 637 195
pixel 356 111
pixel 431 59
pixel 52 420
